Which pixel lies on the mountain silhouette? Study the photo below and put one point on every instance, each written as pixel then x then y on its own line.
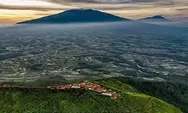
pixel 157 18
pixel 76 16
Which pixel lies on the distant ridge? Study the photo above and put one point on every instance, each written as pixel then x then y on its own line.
pixel 76 16
pixel 156 18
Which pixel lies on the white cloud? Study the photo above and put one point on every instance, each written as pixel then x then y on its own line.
pixel 28 3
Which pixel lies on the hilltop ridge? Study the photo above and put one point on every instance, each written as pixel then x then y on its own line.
pixel 76 100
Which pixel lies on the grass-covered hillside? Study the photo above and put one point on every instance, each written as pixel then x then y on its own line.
pixel 173 93
pixel 16 100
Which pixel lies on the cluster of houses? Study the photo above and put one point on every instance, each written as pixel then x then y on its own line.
pixel 84 85
pixel 90 86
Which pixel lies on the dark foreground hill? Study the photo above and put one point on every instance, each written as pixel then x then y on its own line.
pixel 15 100
pixel 76 16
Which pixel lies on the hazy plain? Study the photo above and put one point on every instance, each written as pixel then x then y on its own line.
pixel 97 50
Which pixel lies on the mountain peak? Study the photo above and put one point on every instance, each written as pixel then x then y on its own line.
pixel 76 16
pixel 157 18
pixel 80 9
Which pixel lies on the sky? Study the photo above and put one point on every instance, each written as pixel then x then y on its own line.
pixel 13 11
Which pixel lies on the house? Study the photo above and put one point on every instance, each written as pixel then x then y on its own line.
pixel 107 94
pixel 75 86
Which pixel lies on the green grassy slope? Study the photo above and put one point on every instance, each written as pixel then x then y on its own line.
pixel 156 105
pixel 81 101
pixel 173 93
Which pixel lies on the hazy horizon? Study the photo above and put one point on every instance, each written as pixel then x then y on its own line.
pixel 13 11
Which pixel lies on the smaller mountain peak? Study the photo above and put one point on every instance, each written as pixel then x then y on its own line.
pixel 158 17
pixel 154 18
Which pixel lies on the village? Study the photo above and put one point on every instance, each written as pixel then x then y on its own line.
pixel 89 86
pixel 84 85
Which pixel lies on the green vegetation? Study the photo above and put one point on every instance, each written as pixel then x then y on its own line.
pixel 15 100
pixel 173 93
